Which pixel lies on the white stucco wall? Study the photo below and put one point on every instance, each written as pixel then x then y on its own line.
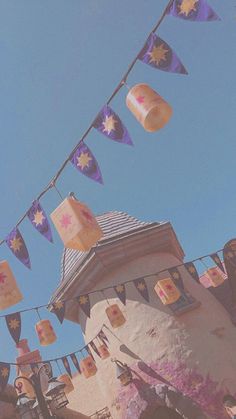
pixel 155 334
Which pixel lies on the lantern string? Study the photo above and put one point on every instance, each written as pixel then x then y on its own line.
pixel 37 311
pixel 53 181
pixel 80 350
pixel 105 297
pixel 149 276
pixel 57 190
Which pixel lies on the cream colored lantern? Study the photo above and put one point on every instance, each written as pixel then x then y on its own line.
pixel 45 332
pixel 88 366
pixel 76 225
pixel 148 107
pixel 65 379
pixel 215 277
pixel 9 291
pixel 103 351
pixel 115 316
pixel 167 291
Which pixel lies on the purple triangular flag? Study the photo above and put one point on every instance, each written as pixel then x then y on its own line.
pixel 75 362
pixel 192 270
pixel 110 125
pixel 195 10
pixel 84 161
pixel 4 375
pixel 158 54
pixel 103 337
pixel 93 346
pixel 141 287
pixel 215 257
pixel 84 303
pixel 87 348
pixel 59 309
pixel 39 220
pixel 13 322
pixel 66 365
pixel 176 277
pixel 16 244
pixel 121 292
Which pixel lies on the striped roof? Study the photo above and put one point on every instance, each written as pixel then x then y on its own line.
pixel 113 224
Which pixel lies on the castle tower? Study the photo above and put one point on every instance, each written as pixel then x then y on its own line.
pixel 178 343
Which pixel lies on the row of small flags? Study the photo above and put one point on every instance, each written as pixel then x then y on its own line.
pixel 156 53
pixel 13 321
pixel 5 367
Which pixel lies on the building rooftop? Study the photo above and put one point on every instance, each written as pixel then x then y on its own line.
pixel 113 224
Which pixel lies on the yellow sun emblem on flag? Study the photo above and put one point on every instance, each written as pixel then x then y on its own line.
pixel 158 54
pixel 120 288
pixel 83 160
pixel 109 124
pixel 141 286
pixel 4 372
pixel 16 244
pixel 38 218
pixel 14 324
pixel 83 300
pixel 192 269
pixel 58 305
pixel 188 6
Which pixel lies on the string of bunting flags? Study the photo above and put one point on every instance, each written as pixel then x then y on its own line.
pixel 99 345
pixel 151 110
pixel 45 330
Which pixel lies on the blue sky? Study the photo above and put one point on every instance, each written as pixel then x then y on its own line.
pixel 60 61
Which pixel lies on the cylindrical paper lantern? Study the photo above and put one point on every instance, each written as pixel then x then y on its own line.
pixel 148 107
pixel 9 291
pixel 167 291
pixel 45 332
pixel 215 276
pixel 103 351
pixel 76 225
pixel 115 316
pixel 88 366
pixel 65 379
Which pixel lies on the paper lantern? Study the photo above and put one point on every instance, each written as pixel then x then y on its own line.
pixel 45 332
pixel 167 291
pixel 65 379
pixel 9 291
pixel 148 107
pixel 76 225
pixel 115 316
pixel 103 351
pixel 215 277
pixel 88 366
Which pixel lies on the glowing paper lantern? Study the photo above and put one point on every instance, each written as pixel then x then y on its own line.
pixel 45 332
pixel 76 225
pixel 215 277
pixel 88 366
pixel 103 351
pixel 9 291
pixel 167 291
pixel 115 316
pixel 148 107
pixel 65 379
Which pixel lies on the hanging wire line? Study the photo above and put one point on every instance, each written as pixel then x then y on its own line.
pixel 111 287
pixel 53 181
pixel 58 358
